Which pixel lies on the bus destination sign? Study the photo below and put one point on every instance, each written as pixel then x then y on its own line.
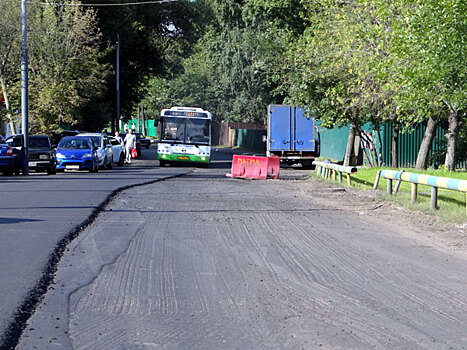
pixel 186 114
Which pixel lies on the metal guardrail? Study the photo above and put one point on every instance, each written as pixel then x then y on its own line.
pixel 326 170
pixel 434 182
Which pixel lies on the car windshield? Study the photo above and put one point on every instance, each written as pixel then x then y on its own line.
pixel 74 144
pixel 96 141
pixel 40 142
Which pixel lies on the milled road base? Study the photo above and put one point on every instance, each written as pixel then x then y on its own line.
pixel 217 263
pixel 13 333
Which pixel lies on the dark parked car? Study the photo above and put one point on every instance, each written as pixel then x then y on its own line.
pixel 146 143
pixel 15 142
pixel 7 157
pixel 41 154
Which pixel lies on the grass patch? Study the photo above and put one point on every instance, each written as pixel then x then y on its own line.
pixel 452 206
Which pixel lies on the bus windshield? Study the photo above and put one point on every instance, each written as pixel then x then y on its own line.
pixel 197 131
pixel 186 130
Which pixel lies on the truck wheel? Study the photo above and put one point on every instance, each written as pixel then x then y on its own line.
pixel 307 165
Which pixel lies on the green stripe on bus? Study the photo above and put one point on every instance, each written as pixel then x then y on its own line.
pixel 183 158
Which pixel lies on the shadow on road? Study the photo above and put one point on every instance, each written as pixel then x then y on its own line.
pixel 15 220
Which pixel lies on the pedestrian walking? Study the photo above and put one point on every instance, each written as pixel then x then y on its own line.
pixel 130 143
pixel 118 137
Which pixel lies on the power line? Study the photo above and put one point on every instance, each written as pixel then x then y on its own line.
pixel 104 4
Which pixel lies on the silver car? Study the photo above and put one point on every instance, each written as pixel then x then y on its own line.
pixel 117 151
pixel 104 148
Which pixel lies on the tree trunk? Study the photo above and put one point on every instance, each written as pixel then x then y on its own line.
pixel 350 144
pixel 380 149
pixel 7 105
pixel 394 149
pixel 430 132
pixel 455 122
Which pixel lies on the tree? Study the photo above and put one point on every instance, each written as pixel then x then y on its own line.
pixel 10 45
pixel 65 72
pixel 341 64
pixel 431 44
pixel 154 41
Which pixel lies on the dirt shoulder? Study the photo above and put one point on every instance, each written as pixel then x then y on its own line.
pixel 371 205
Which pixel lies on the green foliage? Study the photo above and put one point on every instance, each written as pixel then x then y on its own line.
pixel 65 72
pixel 236 68
pixel 154 41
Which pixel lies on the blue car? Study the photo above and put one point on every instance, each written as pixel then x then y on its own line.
pixel 11 159
pixel 76 153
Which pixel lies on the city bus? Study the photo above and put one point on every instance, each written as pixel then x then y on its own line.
pixel 185 136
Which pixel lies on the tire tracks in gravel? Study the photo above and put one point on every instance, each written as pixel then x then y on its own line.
pixel 227 264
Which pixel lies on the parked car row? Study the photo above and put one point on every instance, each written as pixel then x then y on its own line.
pixel 83 151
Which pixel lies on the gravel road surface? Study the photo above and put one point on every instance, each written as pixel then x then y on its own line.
pixel 206 262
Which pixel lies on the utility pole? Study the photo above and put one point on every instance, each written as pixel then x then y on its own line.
pixel 24 84
pixel 143 125
pixel 117 120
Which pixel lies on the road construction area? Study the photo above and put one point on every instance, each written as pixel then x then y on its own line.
pixel 202 261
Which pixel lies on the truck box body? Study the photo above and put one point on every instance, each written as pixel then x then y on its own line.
pixel 291 136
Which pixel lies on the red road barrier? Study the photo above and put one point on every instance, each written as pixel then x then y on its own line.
pixel 248 167
pixel 274 165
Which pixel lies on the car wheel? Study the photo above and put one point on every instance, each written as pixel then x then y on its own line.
pixel 8 172
pixel 121 161
pixel 17 171
pixel 50 170
pixel 147 147
pixel 95 167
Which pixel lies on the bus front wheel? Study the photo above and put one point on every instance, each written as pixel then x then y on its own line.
pixel 162 163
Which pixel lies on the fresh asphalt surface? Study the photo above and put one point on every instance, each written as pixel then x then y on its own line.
pixel 202 261
pixel 37 215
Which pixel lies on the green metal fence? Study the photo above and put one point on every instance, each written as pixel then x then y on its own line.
pixel 250 139
pixel 409 145
pixel 334 143
pixel 149 128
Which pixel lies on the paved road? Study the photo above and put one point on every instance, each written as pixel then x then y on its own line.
pixel 38 213
pixel 206 262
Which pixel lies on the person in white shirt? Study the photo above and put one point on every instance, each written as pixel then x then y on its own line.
pixel 130 143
